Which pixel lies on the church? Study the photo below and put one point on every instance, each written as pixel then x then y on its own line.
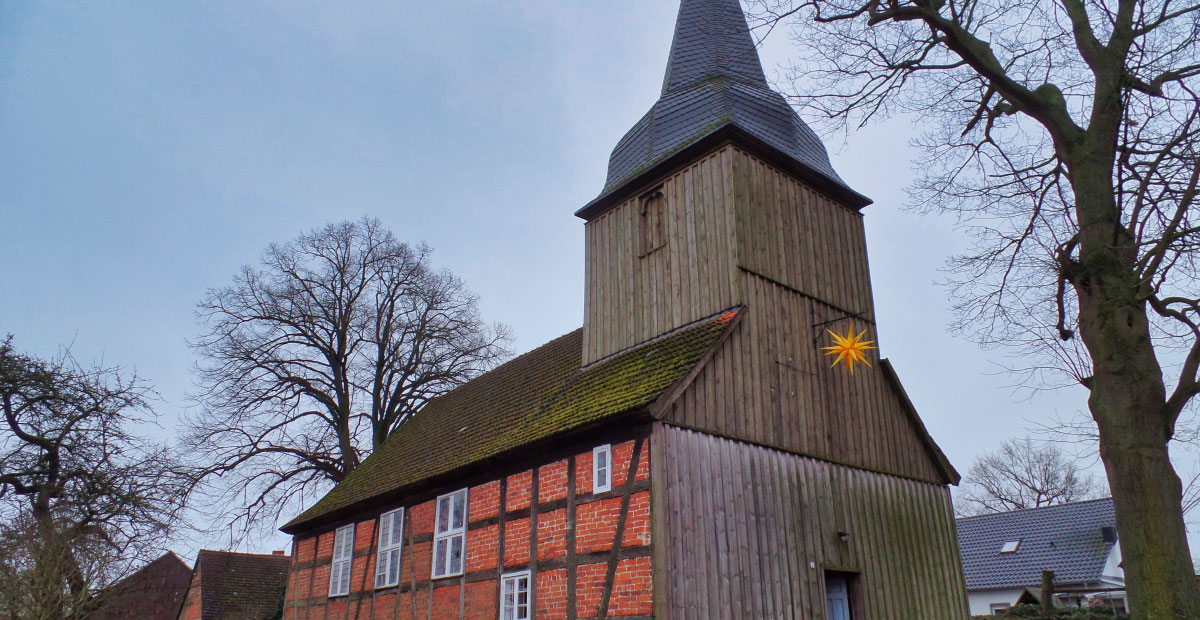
pixel 689 452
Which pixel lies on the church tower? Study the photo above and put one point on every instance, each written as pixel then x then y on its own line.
pixel 719 197
pixel 689 453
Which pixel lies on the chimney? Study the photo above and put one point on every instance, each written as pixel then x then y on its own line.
pixel 1109 534
pixel 277 552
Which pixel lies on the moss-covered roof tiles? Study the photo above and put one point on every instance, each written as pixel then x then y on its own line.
pixel 535 397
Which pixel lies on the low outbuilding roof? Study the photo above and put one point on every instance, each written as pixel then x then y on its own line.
pixel 1073 540
pixel 540 395
pixel 248 586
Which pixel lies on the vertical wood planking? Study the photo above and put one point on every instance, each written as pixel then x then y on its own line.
pixel 744 522
pixel 631 298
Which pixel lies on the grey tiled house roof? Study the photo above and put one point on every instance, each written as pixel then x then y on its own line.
pixel 1067 539
pixel 714 79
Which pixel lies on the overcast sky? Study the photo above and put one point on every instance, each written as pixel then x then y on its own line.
pixel 149 149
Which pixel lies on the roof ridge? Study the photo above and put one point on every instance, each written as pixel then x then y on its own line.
pixel 667 334
pixel 244 553
pixel 1009 512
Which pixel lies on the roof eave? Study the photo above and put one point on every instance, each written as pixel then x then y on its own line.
pixel 726 133
pixel 297 526
pixel 931 447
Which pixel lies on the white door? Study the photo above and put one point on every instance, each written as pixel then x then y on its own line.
pixel 837 598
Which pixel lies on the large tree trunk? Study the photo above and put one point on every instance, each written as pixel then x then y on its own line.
pixel 1146 492
pixel 1128 403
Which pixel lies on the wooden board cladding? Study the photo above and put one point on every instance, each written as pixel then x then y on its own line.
pixel 744 531
pixel 631 298
pixel 789 233
pixel 769 384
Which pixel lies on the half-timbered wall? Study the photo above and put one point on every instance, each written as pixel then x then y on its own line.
pixel 534 520
pixel 749 532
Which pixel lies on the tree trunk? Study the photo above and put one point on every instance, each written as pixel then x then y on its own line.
pixel 1127 401
pixel 1147 494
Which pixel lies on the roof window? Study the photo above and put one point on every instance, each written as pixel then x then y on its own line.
pixel 1010 546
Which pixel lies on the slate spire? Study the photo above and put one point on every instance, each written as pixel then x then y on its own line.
pixel 714 84
pixel 712 40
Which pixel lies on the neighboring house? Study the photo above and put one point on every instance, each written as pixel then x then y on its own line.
pixel 154 592
pixel 236 586
pixel 689 452
pixel 1004 554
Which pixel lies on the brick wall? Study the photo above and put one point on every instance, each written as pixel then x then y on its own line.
pixel 556 565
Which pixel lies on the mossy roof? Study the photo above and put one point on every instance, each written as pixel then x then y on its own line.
pixel 240 585
pixel 534 398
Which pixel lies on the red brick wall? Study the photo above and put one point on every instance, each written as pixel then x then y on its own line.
pixel 191 602
pixel 475 595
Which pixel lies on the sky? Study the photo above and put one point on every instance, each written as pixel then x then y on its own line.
pixel 149 149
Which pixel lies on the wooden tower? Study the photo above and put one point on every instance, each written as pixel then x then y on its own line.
pixel 719 197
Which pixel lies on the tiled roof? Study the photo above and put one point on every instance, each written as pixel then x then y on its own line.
pixel 1066 539
pixel 535 397
pixel 714 79
pixel 154 592
pixel 245 586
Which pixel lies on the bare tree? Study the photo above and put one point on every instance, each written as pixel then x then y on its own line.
pixel 1022 474
pixel 313 358
pixel 82 497
pixel 1063 134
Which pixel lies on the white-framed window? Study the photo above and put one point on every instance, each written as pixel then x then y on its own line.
pixel 601 468
pixel 1010 546
pixel 450 534
pixel 343 555
pixel 998 609
pixel 514 596
pixel 391 536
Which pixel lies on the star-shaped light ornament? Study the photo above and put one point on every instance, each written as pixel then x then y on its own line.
pixel 849 348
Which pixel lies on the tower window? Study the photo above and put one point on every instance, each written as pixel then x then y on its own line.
pixel 652 224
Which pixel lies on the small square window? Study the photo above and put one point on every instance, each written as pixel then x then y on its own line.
pixel 1010 546
pixel 998 609
pixel 601 468
pixel 514 597
pixel 450 535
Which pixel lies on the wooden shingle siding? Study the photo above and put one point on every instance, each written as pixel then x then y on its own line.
pixel 631 298
pixel 748 532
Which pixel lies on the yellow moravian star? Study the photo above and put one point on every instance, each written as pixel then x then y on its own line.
pixel 849 348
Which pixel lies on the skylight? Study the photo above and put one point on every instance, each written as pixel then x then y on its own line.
pixel 1010 546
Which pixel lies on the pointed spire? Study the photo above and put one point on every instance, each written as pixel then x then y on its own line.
pixel 714 88
pixel 712 40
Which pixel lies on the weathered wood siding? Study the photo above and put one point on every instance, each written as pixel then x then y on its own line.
pixel 630 298
pixel 770 384
pixel 744 531
pixel 791 234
